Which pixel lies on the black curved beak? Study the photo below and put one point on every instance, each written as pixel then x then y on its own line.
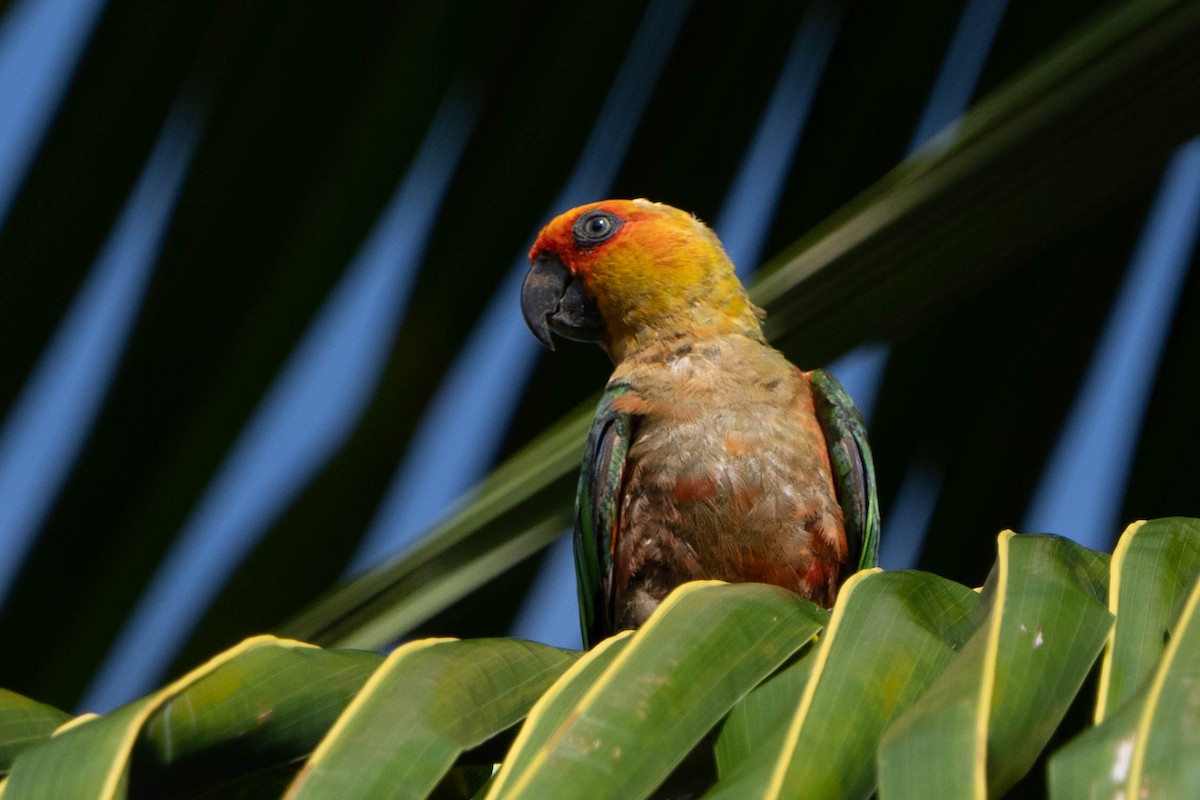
pixel 553 300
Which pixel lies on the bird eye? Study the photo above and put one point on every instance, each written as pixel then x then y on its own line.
pixel 595 227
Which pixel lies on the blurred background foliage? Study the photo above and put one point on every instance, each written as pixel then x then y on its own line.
pixel 306 117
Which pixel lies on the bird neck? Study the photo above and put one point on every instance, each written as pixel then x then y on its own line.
pixel 666 328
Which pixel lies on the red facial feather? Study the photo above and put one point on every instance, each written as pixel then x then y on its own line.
pixel 557 237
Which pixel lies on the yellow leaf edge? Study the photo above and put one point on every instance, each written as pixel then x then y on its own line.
pixel 1114 596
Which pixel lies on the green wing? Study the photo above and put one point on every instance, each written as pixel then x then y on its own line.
pixel 853 470
pixel 597 503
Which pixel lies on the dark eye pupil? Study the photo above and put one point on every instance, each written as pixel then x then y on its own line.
pixel 595 227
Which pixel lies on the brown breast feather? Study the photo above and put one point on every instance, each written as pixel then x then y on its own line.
pixel 728 477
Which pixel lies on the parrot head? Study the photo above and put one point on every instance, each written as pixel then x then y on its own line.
pixel 625 273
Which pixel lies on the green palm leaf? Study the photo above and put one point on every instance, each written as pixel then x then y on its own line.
pixel 986 718
pixel 1153 567
pixel 1146 743
pixel 427 703
pixel 274 698
pixel 889 637
pixel 24 722
pixel 784 698
pixel 672 681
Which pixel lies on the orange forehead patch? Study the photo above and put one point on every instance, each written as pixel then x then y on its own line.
pixel 558 236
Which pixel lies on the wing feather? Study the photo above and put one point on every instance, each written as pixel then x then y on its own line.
pixel 597 505
pixel 853 468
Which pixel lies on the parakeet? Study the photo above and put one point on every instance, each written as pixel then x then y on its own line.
pixel 710 456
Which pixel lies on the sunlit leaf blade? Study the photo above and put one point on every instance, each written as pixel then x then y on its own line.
pixel 554 707
pixel 984 720
pixel 1148 747
pixel 760 721
pixel 891 633
pixel 1153 567
pixel 92 759
pixel 429 701
pixel 275 703
pixel 702 651
pixel 24 722
pixel 1049 151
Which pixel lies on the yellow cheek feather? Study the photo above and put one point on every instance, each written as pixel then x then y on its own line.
pixel 665 272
